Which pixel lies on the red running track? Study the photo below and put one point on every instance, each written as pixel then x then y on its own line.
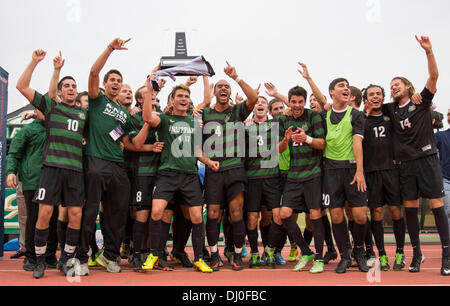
pixel 11 274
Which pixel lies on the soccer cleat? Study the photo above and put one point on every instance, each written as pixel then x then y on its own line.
pixel 206 255
pixel 150 262
pixel 244 251
pixel 237 264
pixel 263 260
pixel 303 261
pixel 215 261
pixel 318 267
pixel 371 258
pixel 445 269
pixel 354 263
pixel 29 264
pixel 329 256
pixel 415 264
pixel 253 261
pixel 110 265
pixel 83 269
pixel 343 265
pixel 362 263
pixel 137 264
pixel 39 270
pixel 229 256
pixel 279 259
pixel 384 263
pixel 51 262
pixel 293 255
pixel 163 264
pixel 399 262
pixel 183 259
pixel 125 251
pixel 92 262
pixel 270 259
pixel 201 266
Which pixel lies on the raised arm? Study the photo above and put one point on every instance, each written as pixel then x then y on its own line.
pixel 94 78
pixel 250 93
pixel 433 72
pixel 272 91
pixel 315 90
pixel 147 109
pixel 58 63
pixel 23 84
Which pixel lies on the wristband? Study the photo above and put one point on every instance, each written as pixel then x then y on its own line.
pixel 308 140
pixel 111 48
pixel 238 79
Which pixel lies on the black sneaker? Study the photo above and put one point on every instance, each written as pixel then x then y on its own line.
pixel 163 264
pixel 137 264
pixel 29 264
pixel 51 262
pixel 39 269
pixel 329 256
pixel 445 269
pixel 415 264
pixel 215 261
pixel 237 262
pixel 362 262
pixel 343 265
pixel 183 259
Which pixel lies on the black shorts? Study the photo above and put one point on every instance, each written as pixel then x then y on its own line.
pixel 421 178
pixel 142 188
pixel 265 192
pixel 337 189
pixel 383 188
pixel 168 183
pixel 222 187
pixel 60 186
pixel 303 196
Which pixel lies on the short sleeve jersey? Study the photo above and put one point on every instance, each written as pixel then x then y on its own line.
pixel 378 143
pixel 413 132
pixel 305 161
pixel 177 133
pixel 222 141
pixel 64 126
pixel 108 123
pixel 262 150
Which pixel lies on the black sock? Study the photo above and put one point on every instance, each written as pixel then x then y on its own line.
pixel 138 235
pixel 378 234
pixel 368 238
pixel 155 235
pixel 185 232
pixel 440 217
pixel 61 228
pixel 412 223
pixel 198 238
pixel 308 235
pixel 212 233
pixel 265 233
pixel 40 243
pixel 328 234
pixel 340 231
pixel 282 241
pixel 399 233
pixel 359 233
pixel 296 234
pixel 165 228
pixel 239 233
pixel 275 232
pixel 252 236
pixel 319 234
pixel 72 238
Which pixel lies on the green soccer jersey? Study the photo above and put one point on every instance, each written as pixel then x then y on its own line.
pixel 262 150
pixel 144 163
pixel 223 134
pixel 305 161
pixel 64 131
pixel 108 123
pixel 177 133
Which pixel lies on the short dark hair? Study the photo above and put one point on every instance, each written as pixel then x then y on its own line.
pixel 272 102
pixel 112 71
pixel 355 92
pixel 364 91
pixel 335 81
pixel 83 93
pixel 137 94
pixel 297 91
pixel 68 77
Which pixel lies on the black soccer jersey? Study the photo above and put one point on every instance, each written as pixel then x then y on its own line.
pixel 413 132
pixel 377 144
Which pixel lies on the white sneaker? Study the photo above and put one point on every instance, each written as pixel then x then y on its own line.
pixel 110 265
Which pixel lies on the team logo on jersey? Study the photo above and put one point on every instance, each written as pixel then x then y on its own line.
pixel 227 117
pixel 82 116
pixel 411 108
pixel 386 118
pixel 305 127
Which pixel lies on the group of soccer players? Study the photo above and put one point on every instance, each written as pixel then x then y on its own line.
pixel 301 161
